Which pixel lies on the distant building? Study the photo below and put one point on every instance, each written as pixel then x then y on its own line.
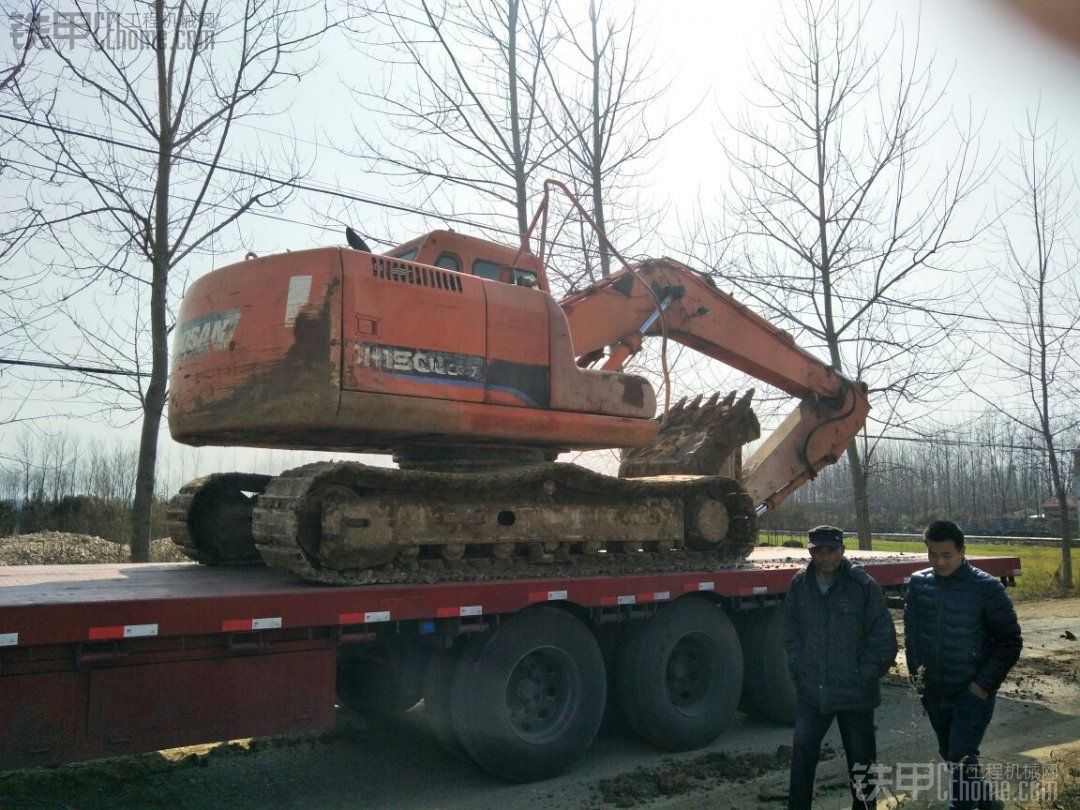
pixel 1052 509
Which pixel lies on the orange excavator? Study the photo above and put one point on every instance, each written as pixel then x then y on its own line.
pixel 450 353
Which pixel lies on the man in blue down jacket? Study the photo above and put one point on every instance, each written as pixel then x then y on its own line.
pixel 961 637
pixel 840 640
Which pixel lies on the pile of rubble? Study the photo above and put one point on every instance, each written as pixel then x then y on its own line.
pixel 64 548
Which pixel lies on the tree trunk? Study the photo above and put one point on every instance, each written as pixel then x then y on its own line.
pixel 859 496
pixel 1063 504
pixel 597 180
pixel 154 398
pixel 520 193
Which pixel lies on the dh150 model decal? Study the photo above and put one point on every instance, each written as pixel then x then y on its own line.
pixel 201 335
pixel 421 362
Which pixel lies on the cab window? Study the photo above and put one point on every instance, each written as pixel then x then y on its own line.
pixel 485 269
pixel 408 255
pixel 448 261
pixel 524 278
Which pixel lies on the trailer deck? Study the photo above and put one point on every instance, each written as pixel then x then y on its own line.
pixel 100 660
pixel 83 603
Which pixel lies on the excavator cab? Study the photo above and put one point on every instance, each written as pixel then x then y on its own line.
pixel 450 250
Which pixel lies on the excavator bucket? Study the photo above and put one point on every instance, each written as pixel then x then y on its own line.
pixel 697 439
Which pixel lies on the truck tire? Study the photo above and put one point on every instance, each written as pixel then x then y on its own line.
pixel 768 691
pixel 680 675
pixel 374 688
pixel 528 696
pixel 438 683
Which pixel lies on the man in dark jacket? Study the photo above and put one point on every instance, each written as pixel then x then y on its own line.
pixel 839 640
pixel 961 637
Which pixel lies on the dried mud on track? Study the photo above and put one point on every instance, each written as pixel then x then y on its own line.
pixel 369 764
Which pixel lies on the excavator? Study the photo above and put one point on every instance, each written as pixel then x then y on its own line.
pixel 450 354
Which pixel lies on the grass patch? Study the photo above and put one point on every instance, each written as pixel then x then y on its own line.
pixel 1041 565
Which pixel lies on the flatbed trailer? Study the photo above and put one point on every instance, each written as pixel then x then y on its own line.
pixel 104 660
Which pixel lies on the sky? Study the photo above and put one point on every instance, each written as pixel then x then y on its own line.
pixel 996 64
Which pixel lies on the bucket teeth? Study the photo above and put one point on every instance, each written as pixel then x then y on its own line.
pixel 697 438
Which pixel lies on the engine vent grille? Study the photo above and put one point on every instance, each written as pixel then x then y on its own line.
pixel 419 274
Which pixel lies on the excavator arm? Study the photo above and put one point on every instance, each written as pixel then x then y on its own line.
pixel 663 297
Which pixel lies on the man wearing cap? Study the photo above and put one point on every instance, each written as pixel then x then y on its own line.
pixel 840 640
pixel 961 637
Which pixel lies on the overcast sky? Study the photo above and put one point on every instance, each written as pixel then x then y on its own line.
pixel 996 64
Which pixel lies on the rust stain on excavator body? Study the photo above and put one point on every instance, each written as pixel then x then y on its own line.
pixel 279 379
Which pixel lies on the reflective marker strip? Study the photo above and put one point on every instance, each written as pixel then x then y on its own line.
pixel 1017 572
pixel 9 639
pixel 907 580
pixel 232 625
pixel 701 586
pixel 459 612
pixel 547 596
pixel 661 596
pixel 622 599
pixel 123 631
pixel 364 618
pixel 760 589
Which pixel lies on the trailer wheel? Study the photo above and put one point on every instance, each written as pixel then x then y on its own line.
pixel 768 691
pixel 438 682
pixel 528 696
pixel 680 675
pixel 370 687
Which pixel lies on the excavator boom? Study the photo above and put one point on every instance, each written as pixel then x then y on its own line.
pixel 664 297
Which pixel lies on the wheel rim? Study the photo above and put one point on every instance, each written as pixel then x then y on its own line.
pixel 691 672
pixel 542 694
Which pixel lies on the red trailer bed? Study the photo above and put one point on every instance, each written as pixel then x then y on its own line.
pixel 97 660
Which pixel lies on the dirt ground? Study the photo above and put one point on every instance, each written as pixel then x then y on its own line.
pixel 1035 736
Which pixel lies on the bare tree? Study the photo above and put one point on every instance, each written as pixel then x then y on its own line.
pixel 604 100
pixel 840 218
pixel 14 320
pixel 159 176
pixel 1039 315
pixel 466 116
pixel 24 29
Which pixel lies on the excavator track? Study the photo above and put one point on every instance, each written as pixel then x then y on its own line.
pixel 210 518
pixel 347 523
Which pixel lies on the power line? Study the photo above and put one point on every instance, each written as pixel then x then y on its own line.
pixel 4 361
pixel 173 195
pixel 324 189
pixel 332 191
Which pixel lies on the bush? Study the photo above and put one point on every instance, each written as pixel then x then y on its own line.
pixel 9 518
pixel 80 514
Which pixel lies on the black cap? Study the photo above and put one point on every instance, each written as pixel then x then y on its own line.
pixel 828 536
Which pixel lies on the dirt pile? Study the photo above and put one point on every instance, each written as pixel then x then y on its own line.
pixel 675 777
pixel 64 548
